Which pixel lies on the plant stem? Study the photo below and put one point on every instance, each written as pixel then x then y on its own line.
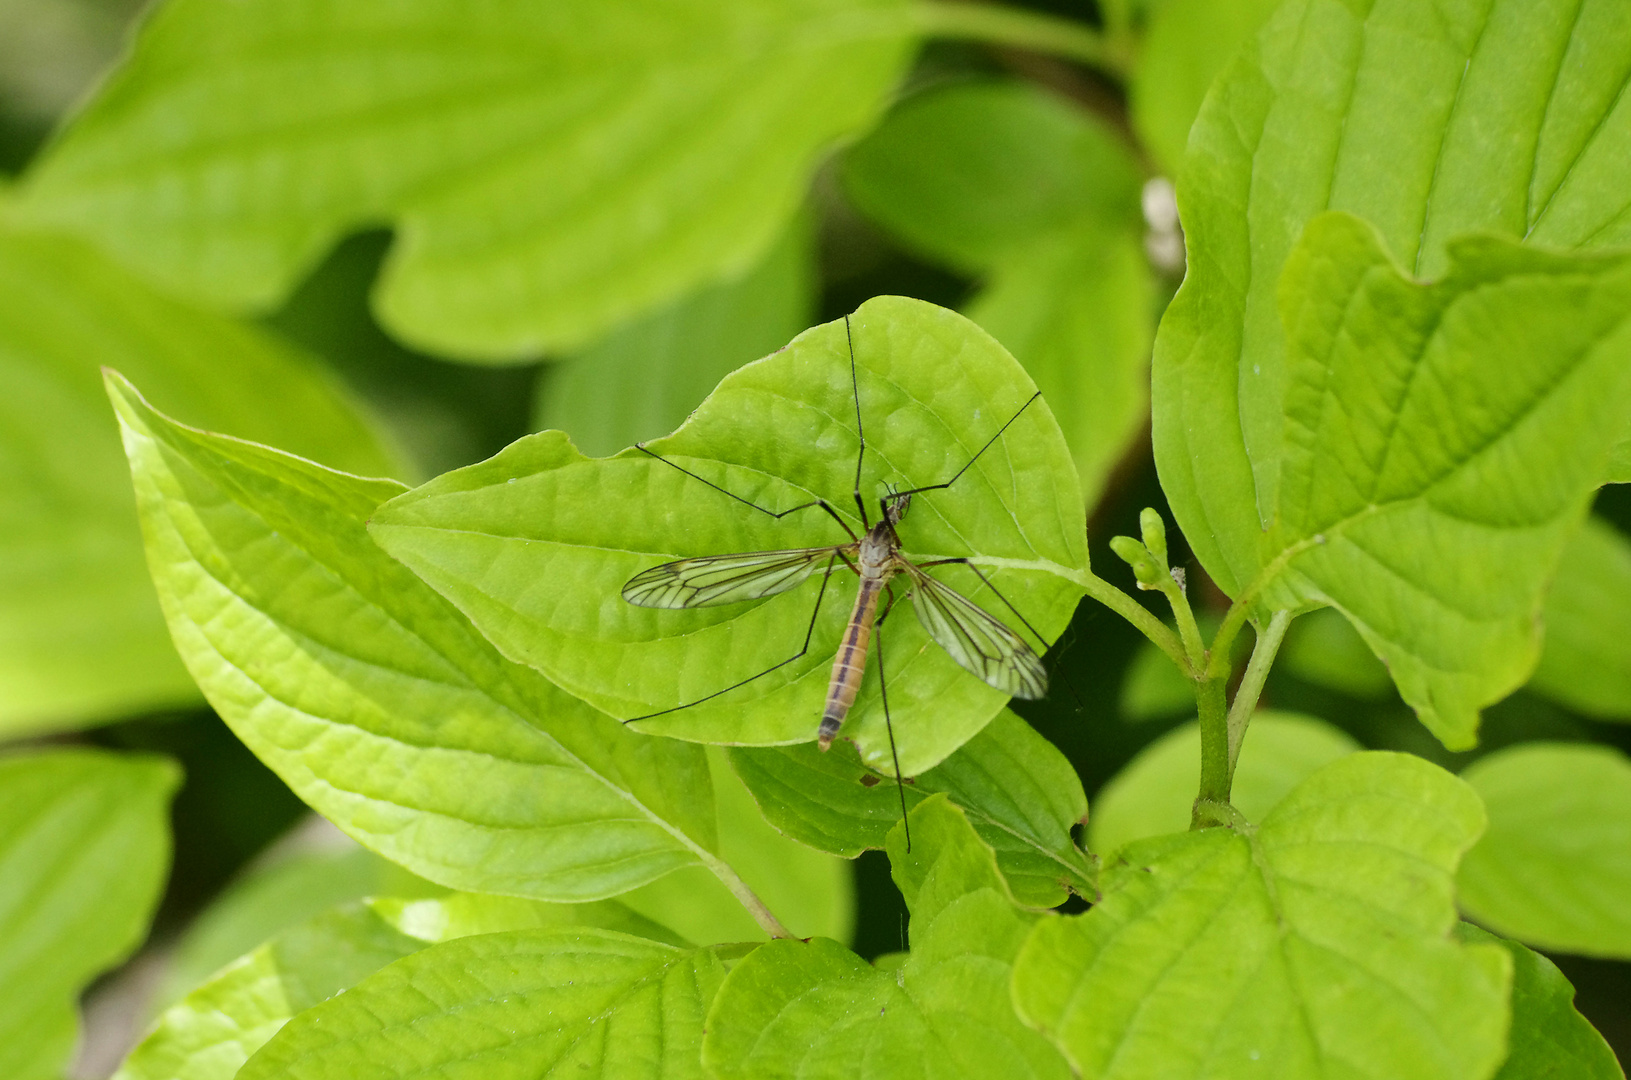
pixel 1157 631
pixel 1251 684
pixel 1023 29
pixel 747 897
pixel 1211 698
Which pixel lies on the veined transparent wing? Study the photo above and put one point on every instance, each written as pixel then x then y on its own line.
pixel 982 645
pixel 726 579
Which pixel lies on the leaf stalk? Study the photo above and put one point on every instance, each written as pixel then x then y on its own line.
pixel 995 24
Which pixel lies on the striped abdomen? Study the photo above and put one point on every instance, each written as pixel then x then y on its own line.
pixel 850 663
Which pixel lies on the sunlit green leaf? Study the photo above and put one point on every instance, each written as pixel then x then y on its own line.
pixel 213 1031
pixel 1075 309
pixel 521 1005
pixel 1584 662
pixel 1549 1036
pixel 1153 793
pixel 81 636
pixel 285 892
pixel 375 702
pixel 1187 43
pixel 1555 867
pixel 644 379
pixel 1489 115
pixel 1020 793
pixel 1007 181
pixel 969 173
pixel 810 892
pixel 456 915
pixel 535 544
pixel 1323 648
pixel 1284 951
pixel 551 169
pixel 814 1010
pixel 84 849
pixel 1441 444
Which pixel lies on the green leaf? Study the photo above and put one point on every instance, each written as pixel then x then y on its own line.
pixel 1323 648
pixel 84 849
pixel 1318 944
pixel 375 701
pixel 1555 867
pixel 971 172
pixel 1549 1036
pixel 1075 309
pixel 814 1010
pixel 284 893
pixel 1152 794
pixel 523 1004
pixel 535 544
pixel 550 170
pixel 1020 793
pixel 1619 463
pixel 1584 663
pixel 1007 180
pixel 1492 115
pixel 1188 43
pixel 644 379
pixel 456 915
pixel 1441 444
pixel 214 1030
pixel 811 893
pixel 81 636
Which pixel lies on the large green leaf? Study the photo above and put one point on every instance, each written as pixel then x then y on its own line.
pixel 1441 443
pixel 1007 181
pixel 84 848
pixel 375 701
pixel 287 890
pixel 535 544
pixel 1585 663
pixel 81 636
pixel 1154 793
pixel 1188 43
pixel 1495 115
pixel 812 893
pixel 1318 944
pixel 526 1004
pixel 456 915
pixel 1549 1036
pixel 644 379
pixel 970 172
pixel 213 1031
pixel 1554 870
pixel 814 1010
pixel 551 169
pixel 1323 648
pixel 1020 793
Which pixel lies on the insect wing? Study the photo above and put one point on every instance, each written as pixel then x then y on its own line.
pixel 982 645
pixel 724 579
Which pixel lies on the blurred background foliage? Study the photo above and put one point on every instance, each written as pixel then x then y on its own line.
pixel 1020 189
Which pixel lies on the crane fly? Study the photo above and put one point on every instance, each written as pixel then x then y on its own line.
pixel 981 644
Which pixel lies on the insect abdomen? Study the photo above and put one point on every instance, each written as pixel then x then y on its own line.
pixel 850 663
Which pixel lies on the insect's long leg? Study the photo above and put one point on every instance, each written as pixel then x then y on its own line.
pixel 977 453
pixel 888 724
pixel 809 632
pixel 860 432
pixel 777 514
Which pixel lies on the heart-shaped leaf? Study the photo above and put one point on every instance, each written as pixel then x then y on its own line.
pixel 536 544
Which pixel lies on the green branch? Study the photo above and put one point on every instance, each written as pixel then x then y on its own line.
pixel 745 896
pixel 1251 684
pixel 1031 30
